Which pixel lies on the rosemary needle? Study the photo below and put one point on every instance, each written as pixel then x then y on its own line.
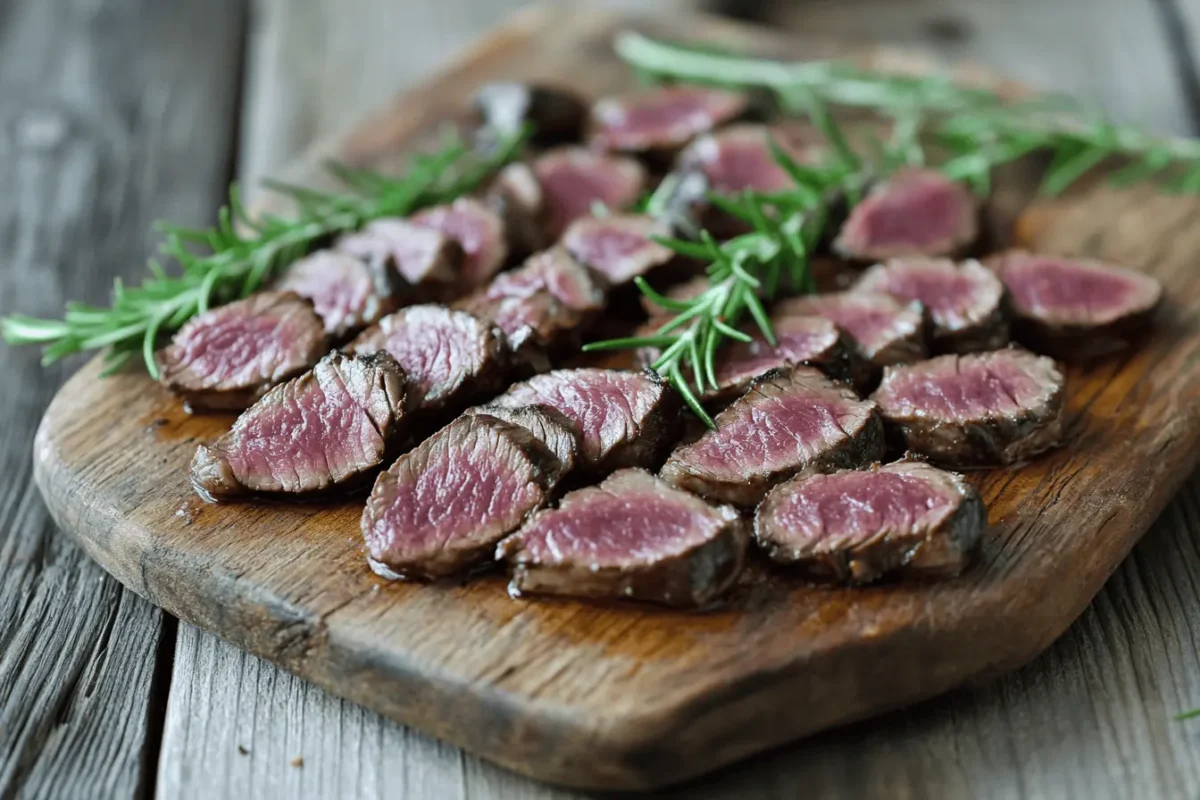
pixel 242 252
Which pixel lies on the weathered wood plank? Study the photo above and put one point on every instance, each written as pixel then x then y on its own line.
pixel 111 114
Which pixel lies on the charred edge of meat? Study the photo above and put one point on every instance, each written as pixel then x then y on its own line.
pixel 693 578
pixel 213 477
pixel 548 425
pixel 516 195
pixel 924 554
pixel 557 115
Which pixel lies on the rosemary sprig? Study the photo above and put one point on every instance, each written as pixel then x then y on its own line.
pixel 242 252
pixel 981 129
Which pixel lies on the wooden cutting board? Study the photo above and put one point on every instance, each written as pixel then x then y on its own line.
pixel 629 696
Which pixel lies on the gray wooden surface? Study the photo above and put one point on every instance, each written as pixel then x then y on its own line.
pixel 116 112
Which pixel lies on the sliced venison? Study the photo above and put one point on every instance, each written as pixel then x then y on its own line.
pixel 739 157
pixel 662 119
pixel 789 421
pixel 624 419
pixel 347 292
pixel 1076 309
pixel 443 506
pixel 557 115
pixel 985 409
pixel 516 195
pixel 331 427
pixel 479 231
pixel 858 525
pixel 964 302
pixel 550 426
pixel 427 260
pixel 618 246
pixel 632 537
pixel 883 329
pixel 914 212
pixel 228 357
pixel 449 357
pixel 575 180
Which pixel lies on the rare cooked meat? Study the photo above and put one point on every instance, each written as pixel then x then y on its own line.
pixel 986 409
pixel 516 195
pixel 882 329
pixel 450 357
pixel 687 290
pixel 914 212
pixel 331 427
pixel 624 419
pixel 632 537
pixel 548 425
pixel 619 246
pixel 964 301
pixel 228 357
pixel 426 259
pixel 574 181
pixel 1076 309
pixel 662 119
pixel 347 292
pixel 479 231
pixel 858 525
pixel 789 421
pixel 543 307
pixel 443 506
pixel 557 115
pixel 739 157
pixel 800 339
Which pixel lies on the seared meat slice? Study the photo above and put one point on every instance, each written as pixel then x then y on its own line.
pixel 443 506
pixel 556 114
pixel 450 357
pixel 914 212
pixel 789 421
pixel 857 526
pixel 347 292
pixel 986 409
pixel 883 329
pixel 624 419
pixel 424 258
pixel 549 426
pixel 619 247
pixel 330 427
pixel 632 536
pixel 964 302
pixel 575 180
pixel 516 195
pixel 479 231
pixel 662 119
pixel 739 157
pixel 228 357
pixel 543 307
pixel 1076 309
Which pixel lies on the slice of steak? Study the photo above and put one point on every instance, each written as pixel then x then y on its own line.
pixel 632 537
pixel 347 292
pixel 543 307
pixel 884 330
pixel 964 302
pixel 228 357
pixel 575 180
pixel 479 231
pixel 549 426
pixel 450 357
pixel 789 421
pixel 331 427
pixel 739 157
pixel 619 246
pixel 426 259
pixel 443 506
pixel 858 525
pixel 624 419
pixel 800 339
pixel 557 115
pixel 985 409
pixel 1076 309
pixel 516 195
pixel 914 212
pixel 662 119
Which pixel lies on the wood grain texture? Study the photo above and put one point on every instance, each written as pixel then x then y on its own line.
pixel 627 697
pixel 109 116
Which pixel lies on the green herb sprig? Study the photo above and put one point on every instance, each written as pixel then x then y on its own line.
pixel 243 251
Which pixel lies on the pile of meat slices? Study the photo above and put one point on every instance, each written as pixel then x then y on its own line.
pixel 418 356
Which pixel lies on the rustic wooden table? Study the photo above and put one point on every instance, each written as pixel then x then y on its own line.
pixel 114 113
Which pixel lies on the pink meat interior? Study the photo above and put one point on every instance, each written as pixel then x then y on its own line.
pixel 618 247
pixel 479 231
pixel 800 339
pixel 918 210
pixel 954 387
pixel 1071 291
pixel 436 348
pixel 231 348
pixel 740 159
pixel 663 116
pixel 338 284
pixel 873 320
pixel 412 248
pixel 575 181
pixel 952 295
